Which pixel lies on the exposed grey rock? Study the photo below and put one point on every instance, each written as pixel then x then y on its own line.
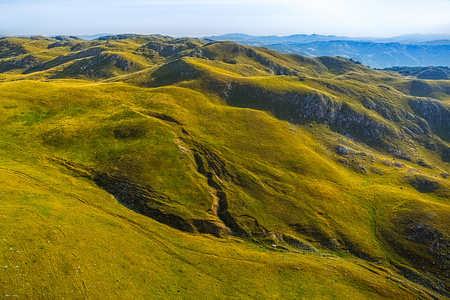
pixel 434 113
pixel 362 168
pixel 423 163
pixel 432 146
pixel 422 233
pixel 387 163
pixel 294 242
pixel 64 59
pixel 343 150
pixel 424 184
pixel 19 63
pixel 314 107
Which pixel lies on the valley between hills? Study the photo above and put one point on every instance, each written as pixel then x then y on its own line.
pixel 151 167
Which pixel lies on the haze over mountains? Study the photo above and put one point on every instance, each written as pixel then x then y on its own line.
pixel 152 167
pixel 305 38
pixel 415 50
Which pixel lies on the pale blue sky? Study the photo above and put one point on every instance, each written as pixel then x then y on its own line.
pixel 201 18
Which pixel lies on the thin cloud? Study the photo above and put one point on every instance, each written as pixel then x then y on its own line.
pixel 201 17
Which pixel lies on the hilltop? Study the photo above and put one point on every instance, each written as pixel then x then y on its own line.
pixel 156 167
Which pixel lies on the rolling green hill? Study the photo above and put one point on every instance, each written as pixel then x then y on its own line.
pixel 152 167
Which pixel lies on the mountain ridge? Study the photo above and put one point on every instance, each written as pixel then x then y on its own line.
pixel 406 50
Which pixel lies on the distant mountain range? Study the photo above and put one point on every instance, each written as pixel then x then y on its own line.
pixel 304 38
pixel 416 50
pixel 93 36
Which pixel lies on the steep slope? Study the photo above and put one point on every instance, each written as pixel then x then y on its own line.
pixel 282 160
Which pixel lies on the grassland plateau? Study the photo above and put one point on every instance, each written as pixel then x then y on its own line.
pixel 149 167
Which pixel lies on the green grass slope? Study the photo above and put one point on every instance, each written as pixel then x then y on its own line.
pixel 220 170
pixel 64 238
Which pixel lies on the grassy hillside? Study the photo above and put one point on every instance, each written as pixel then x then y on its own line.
pixel 151 167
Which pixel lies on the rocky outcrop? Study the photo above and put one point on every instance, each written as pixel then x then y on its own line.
pixel 424 184
pixel 313 107
pixel 141 200
pixel 426 281
pixel 265 61
pixel 435 113
pixel 10 48
pixel 103 65
pixel 64 59
pixel 385 109
pixel 412 126
pixel 25 62
pixel 117 60
pixel 213 168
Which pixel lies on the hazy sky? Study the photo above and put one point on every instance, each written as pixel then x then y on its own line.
pixel 200 17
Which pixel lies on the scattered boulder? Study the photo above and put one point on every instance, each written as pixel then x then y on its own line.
pixel 399 165
pixel 343 150
pixel 424 164
pixel 432 146
pixel 294 242
pixel 387 163
pixel 362 168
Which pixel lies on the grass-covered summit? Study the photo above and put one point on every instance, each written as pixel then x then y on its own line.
pixel 154 167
